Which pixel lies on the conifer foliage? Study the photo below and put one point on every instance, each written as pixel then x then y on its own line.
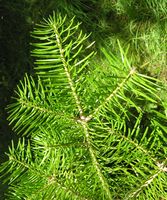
pixel 92 128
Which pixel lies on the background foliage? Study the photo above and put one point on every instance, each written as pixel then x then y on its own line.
pixel 142 24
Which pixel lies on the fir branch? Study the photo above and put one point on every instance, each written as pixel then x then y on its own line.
pixel 162 169
pixel 65 64
pixel 88 138
pixel 51 180
pixel 119 87
pixel 25 166
pixel 95 162
pixel 40 108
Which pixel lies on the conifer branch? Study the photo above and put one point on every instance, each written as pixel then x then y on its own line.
pixel 140 147
pixel 118 88
pixel 95 162
pixel 162 169
pixel 65 64
pixel 86 124
pixel 51 180
pixel 30 104
pixel 134 143
pixel 146 184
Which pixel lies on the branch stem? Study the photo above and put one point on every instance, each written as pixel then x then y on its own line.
pixel 65 64
pixel 83 121
pixel 103 180
pixel 121 85
pixel 162 169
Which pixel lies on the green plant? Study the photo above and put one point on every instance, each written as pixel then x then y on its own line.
pixel 140 24
pixel 93 128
